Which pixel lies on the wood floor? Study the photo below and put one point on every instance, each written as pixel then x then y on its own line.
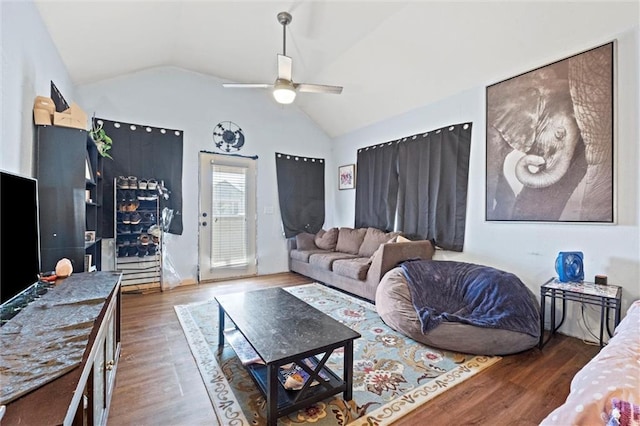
pixel 158 382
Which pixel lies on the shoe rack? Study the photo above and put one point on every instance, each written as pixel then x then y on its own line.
pixel 137 231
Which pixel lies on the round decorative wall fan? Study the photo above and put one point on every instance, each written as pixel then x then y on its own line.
pixel 569 266
pixel 228 136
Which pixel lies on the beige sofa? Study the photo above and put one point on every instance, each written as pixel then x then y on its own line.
pixel 353 260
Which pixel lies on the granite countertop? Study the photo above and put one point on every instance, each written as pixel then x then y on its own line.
pixel 49 336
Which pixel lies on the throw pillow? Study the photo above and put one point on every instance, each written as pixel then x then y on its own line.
pixel 326 240
pixel 306 241
pixel 375 253
pixel 623 413
pixel 350 240
pixel 372 240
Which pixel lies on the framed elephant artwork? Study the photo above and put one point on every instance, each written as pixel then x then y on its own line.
pixel 550 142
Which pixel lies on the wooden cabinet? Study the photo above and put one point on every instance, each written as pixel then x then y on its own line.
pixel 104 370
pixel 83 395
pixel 69 172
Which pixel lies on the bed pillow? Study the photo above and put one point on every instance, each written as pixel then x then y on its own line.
pixel 372 240
pixel 350 240
pixel 327 240
pixel 306 241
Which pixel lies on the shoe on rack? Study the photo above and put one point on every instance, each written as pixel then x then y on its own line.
pixel 152 195
pixel 152 184
pixel 149 218
pixel 155 231
pixel 133 182
pixel 142 251
pixel 151 249
pixel 144 239
pixel 142 184
pixel 141 195
pixel 123 229
pixel 132 206
pixel 164 192
pixel 136 229
pixel 132 250
pixel 121 195
pixel 122 250
pixel 122 182
pixel 126 218
pixel 130 195
pixel 136 218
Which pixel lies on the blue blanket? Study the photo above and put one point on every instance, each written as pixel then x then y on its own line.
pixel 470 294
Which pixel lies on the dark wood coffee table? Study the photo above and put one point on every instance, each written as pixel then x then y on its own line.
pixel 284 329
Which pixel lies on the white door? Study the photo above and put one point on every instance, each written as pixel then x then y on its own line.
pixel 227 237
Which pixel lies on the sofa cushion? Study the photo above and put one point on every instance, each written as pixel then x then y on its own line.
pixel 327 240
pixel 372 240
pixel 306 241
pixel 375 253
pixel 350 240
pixel 356 268
pixel 303 255
pixel 325 260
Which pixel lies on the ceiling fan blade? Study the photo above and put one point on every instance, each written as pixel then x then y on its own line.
pixel 318 88
pixel 284 67
pixel 247 85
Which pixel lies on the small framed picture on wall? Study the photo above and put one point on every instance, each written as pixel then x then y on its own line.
pixel 347 176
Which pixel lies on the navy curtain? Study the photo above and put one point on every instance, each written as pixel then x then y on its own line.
pixel 145 152
pixel 417 185
pixel 377 186
pixel 300 193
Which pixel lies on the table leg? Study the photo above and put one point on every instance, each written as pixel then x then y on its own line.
pixel 552 314
pixel 220 327
pixel 272 395
pixel 348 370
pixel 542 315
pixel 602 322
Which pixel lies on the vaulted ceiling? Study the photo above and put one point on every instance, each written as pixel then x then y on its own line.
pixel 390 57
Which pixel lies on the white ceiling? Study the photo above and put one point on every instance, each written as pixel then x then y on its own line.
pixel 390 57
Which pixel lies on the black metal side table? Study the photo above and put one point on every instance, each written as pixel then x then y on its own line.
pixel 608 297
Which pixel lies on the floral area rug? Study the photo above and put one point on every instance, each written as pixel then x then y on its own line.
pixel 392 374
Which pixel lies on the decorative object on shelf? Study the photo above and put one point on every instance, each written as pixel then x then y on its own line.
pixel 100 138
pixel 88 170
pixel 549 137
pixel 228 136
pixel 284 89
pixel 569 266
pixel 347 176
pixel 89 236
pixel 64 268
pixel 59 101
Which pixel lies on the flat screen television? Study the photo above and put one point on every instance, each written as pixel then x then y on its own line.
pixel 19 234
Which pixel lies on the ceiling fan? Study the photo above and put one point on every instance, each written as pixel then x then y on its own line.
pixel 284 89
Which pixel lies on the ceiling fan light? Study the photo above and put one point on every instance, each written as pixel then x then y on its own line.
pixel 284 92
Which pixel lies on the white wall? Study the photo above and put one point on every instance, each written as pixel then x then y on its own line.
pixel 178 99
pixel 529 249
pixel 30 62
